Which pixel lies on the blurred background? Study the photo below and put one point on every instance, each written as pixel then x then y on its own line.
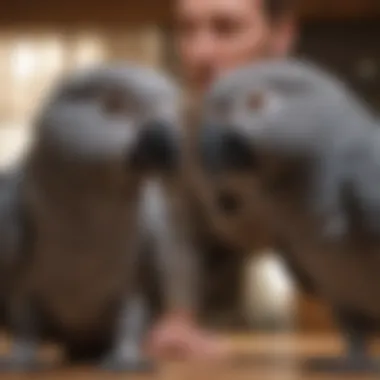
pixel 42 39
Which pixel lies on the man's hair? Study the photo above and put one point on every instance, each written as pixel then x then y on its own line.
pixel 278 8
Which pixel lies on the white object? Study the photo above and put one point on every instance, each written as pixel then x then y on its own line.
pixel 14 141
pixel 270 295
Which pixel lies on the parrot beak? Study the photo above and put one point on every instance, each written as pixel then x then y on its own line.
pixel 223 148
pixel 158 147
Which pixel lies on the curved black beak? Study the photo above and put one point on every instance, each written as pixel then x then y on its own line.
pixel 224 148
pixel 158 147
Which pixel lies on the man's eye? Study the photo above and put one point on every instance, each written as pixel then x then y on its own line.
pixel 225 26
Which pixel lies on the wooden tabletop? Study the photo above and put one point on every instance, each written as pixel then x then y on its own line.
pixel 261 357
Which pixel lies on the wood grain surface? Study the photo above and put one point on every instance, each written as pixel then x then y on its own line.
pixel 261 357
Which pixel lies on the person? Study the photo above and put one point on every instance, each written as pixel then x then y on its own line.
pixel 212 37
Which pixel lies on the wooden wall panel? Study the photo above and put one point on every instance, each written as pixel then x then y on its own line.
pixel 83 12
pixel 349 49
pixel 311 9
pixel 120 12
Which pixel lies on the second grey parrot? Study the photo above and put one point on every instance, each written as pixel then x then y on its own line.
pixel 315 151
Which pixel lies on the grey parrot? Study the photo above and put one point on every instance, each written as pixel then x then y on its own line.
pixel 314 148
pixel 97 185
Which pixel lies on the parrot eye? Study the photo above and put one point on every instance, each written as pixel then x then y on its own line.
pixel 117 103
pixel 256 101
pixel 113 103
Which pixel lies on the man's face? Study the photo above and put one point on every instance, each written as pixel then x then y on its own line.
pixel 217 35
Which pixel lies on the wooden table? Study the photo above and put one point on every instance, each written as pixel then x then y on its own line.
pixel 261 357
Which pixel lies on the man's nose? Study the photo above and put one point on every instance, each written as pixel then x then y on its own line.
pixel 204 48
